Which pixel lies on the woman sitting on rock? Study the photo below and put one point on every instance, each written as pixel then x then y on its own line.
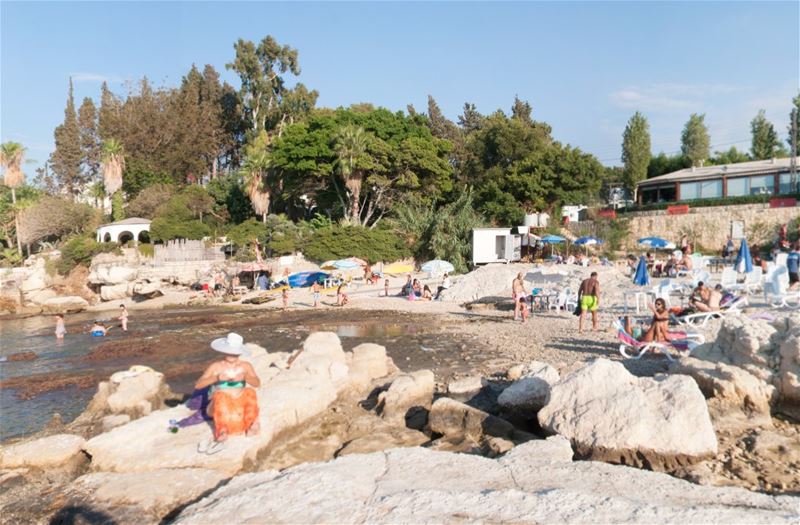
pixel 233 406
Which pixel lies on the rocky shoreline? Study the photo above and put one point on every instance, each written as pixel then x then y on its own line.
pixel 335 420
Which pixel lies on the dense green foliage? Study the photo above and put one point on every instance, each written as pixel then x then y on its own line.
pixel 373 245
pixel 80 250
pixel 701 203
pixel 794 114
pixel 175 220
pixel 765 143
pixel 635 150
pixel 695 141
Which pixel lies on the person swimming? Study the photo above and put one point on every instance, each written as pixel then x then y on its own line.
pixel 98 329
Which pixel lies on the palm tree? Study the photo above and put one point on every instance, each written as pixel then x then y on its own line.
pixel 255 171
pixel 11 155
pixel 350 147
pixel 113 164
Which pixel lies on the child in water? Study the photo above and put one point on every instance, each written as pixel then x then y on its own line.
pixel 98 329
pixel 60 329
pixel 123 317
pixel 285 296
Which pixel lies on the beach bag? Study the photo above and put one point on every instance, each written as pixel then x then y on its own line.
pixel 578 310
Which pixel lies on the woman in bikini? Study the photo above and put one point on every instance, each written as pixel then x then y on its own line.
pixel 659 326
pixel 233 406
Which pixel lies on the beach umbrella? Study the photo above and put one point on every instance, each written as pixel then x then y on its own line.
pixel 437 266
pixel 345 264
pixel 360 262
pixel 656 242
pixel 328 265
pixel 744 262
pixel 552 239
pixel 641 276
pixel 587 241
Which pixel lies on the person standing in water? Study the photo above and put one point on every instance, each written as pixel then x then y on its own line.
pixel 589 298
pixel 285 296
pixel 123 317
pixel 60 329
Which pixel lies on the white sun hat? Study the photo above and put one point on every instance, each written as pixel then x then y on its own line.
pixel 233 344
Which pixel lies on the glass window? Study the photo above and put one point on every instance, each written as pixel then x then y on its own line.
pixel 690 191
pixel 738 187
pixel 786 183
pixel 711 189
pixel 762 184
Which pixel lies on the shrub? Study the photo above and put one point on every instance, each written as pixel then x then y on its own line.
pixel 702 203
pixel 146 249
pixel 338 242
pixel 80 250
pixel 146 203
pixel 174 220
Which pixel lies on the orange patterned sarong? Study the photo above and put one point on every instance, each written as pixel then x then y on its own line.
pixel 234 414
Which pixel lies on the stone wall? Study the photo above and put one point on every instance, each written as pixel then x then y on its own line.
pixel 708 226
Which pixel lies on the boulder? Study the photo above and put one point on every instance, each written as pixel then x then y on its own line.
pixel 114 421
pixel 743 342
pixel 408 395
pixel 114 292
pixel 147 290
pixel 737 399
pixel 370 358
pixel 141 497
pixel 534 483
pixel 788 377
pixel 41 296
pixel 466 386
pixel 609 414
pixel 456 420
pixel 383 438
pixel 57 451
pixel 70 304
pixel 531 392
pixel 36 280
pixel 112 274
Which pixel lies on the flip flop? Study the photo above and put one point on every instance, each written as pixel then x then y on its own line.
pixel 217 446
pixel 204 445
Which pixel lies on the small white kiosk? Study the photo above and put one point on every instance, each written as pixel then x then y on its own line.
pixel 495 245
pixel 133 229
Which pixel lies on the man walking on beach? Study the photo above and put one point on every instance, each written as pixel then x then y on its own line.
pixel 589 297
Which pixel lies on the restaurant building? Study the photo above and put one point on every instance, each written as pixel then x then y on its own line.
pixel 759 177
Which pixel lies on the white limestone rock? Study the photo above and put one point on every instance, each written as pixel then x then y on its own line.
pixel 406 394
pixel 60 450
pixel 69 304
pixel 457 420
pixel 112 274
pixel 114 292
pixel 609 414
pixel 531 392
pixel 466 386
pixel 534 483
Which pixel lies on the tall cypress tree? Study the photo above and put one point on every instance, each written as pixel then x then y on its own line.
pixel 108 117
pixel 695 141
pixel 66 159
pixel 765 139
pixel 795 112
pixel 635 150
pixel 90 140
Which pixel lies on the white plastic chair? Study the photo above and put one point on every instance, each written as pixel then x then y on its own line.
pixel 561 301
pixel 572 300
pixel 776 289
pixel 728 280
pixel 752 282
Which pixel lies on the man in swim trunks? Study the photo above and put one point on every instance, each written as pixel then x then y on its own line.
pixel 98 329
pixel 517 293
pixel 315 288
pixel 233 406
pixel 589 296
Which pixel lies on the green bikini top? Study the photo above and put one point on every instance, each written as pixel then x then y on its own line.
pixel 229 384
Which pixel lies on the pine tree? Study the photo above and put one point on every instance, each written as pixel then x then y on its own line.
pixel 635 150
pixel 90 140
pixel 765 139
pixel 470 120
pixel 66 159
pixel 441 127
pixel 794 113
pixel 108 118
pixel 695 141
pixel 521 110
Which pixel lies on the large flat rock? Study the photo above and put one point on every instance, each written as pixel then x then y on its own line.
pixel 610 414
pixel 535 483
pixel 45 453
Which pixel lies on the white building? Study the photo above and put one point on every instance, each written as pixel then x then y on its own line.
pixel 495 245
pixel 133 229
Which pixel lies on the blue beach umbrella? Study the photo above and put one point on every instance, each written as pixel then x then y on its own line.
pixel 641 277
pixel 552 239
pixel 656 242
pixel 744 262
pixel 437 266
pixel 587 241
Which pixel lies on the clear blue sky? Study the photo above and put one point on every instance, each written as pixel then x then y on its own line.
pixel 585 67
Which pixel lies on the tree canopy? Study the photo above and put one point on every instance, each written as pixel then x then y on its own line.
pixel 695 141
pixel 635 150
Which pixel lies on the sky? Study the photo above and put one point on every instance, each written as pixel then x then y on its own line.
pixel 585 67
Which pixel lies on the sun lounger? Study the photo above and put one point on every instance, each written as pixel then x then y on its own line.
pixel 701 318
pixel 776 289
pixel 682 344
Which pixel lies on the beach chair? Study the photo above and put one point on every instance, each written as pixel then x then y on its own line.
pixel 664 289
pixel 729 279
pixel 682 344
pixel 732 307
pixel 776 289
pixel 752 281
pixel 560 302
pixel 572 300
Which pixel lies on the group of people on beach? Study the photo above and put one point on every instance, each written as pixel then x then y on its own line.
pixel 588 300
pixel 414 290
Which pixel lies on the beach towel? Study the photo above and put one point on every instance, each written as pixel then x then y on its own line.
pixel 234 414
